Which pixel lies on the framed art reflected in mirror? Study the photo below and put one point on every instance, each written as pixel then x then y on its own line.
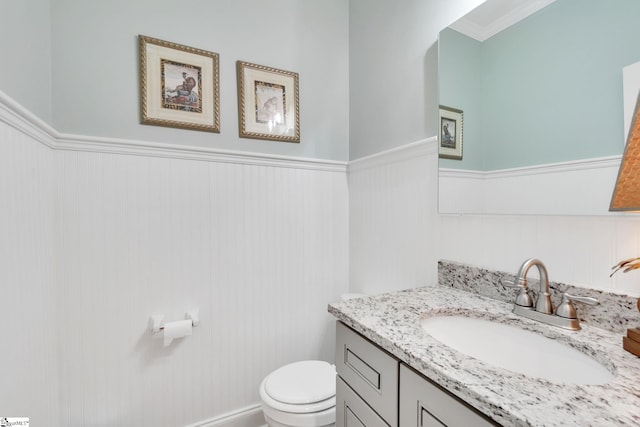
pixel 451 133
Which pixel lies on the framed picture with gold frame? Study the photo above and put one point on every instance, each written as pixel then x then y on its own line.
pixel 179 86
pixel 268 106
pixel 450 139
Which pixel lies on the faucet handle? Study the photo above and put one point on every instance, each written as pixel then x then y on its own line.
pixel 524 298
pixel 513 283
pixel 566 307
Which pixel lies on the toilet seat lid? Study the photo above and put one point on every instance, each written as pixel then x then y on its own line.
pixel 303 382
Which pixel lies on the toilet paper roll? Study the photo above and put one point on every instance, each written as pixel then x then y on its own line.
pixel 179 329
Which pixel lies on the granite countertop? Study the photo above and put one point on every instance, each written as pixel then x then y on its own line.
pixel 392 321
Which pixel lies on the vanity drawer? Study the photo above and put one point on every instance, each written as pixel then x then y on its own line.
pixel 423 404
pixel 351 411
pixel 369 371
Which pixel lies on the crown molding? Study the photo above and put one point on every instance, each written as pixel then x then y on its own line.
pixel 482 33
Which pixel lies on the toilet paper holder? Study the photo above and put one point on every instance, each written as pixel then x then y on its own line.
pixel 156 325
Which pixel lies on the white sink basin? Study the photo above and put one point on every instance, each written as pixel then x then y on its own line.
pixel 516 350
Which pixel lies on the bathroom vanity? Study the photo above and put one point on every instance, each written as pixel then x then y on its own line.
pixel 374 389
pixel 392 372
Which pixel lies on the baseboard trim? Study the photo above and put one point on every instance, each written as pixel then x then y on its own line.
pixel 251 416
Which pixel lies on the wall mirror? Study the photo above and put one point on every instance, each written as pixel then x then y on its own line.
pixel 540 84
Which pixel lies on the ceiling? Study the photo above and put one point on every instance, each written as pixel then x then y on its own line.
pixel 493 16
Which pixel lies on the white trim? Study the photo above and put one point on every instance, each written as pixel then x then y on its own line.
pixel 251 416
pixel 174 151
pixel 16 116
pixel 580 187
pixel 560 167
pixel 469 28
pixel 404 152
pixel 21 119
pixel 481 33
pixel 462 174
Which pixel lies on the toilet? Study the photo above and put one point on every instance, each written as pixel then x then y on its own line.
pixel 300 394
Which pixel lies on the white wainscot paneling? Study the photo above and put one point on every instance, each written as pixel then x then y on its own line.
pixel 99 234
pixel 260 250
pixel 396 237
pixel 558 213
pixel 28 360
pixel 577 250
pixel 581 187
pixel 393 218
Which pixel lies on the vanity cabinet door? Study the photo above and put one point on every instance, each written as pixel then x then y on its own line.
pixel 369 371
pixel 423 404
pixel 352 411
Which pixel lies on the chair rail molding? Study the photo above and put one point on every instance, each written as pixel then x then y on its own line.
pixel 394 155
pixel 18 117
pixel 579 187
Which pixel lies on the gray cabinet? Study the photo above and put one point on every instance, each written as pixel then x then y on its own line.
pixel 373 389
pixel 352 411
pixel 424 404
pixel 369 371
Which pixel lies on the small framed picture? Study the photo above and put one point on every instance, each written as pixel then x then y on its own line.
pixel 450 140
pixel 179 86
pixel 268 103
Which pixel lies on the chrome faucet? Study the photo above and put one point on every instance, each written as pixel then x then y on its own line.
pixel 543 303
pixel 564 317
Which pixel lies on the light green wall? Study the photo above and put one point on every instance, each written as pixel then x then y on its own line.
pixel 460 81
pixel 393 59
pixel 95 77
pixel 25 49
pixel 552 85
